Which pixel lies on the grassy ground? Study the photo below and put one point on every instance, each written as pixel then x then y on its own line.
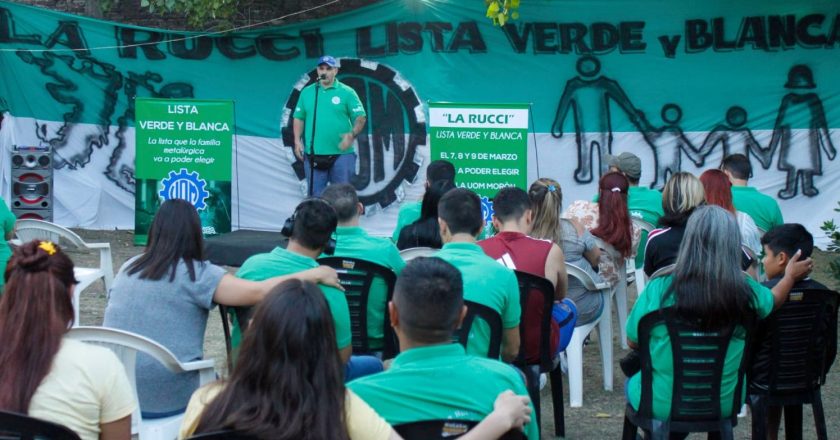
pixel 601 416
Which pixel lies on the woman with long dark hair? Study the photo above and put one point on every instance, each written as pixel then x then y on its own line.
pixel 166 294
pixel 425 232
pixel 44 374
pixel 609 220
pixel 289 383
pixel 706 287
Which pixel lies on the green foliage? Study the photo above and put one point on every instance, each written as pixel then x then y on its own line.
pixel 501 11
pixel 832 230
pixel 197 12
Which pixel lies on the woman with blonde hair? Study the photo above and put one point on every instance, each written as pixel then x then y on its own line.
pixel 578 245
pixel 681 195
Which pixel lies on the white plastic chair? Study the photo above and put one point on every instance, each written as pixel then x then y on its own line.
pixel 29 229
pixel 639 273
pixel 412 253
pixel 126 345
pixel 574 351
pixel 619 291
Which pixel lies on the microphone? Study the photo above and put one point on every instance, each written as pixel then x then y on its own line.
pixel 322 77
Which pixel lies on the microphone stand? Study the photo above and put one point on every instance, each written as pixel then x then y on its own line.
pixel 312 139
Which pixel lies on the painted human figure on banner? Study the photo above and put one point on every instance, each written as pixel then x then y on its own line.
pixel 589 96
pixel 669 143
pixel 803 110
pixel 735 138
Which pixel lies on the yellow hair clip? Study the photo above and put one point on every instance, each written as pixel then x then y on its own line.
pixel 48 247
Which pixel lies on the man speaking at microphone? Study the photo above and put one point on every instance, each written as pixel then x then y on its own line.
pixel 333 116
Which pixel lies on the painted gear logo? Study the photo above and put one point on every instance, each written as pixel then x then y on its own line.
pixel 395 129
pixel 487 209
pixel 187 186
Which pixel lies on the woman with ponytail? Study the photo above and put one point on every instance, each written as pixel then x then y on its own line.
pixel 44 374
pixel 609 220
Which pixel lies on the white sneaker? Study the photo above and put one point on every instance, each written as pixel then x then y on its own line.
pixel 743 412
pixel 543 380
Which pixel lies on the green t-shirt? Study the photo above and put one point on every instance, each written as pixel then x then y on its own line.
pixel 646 204
pixel 7 220
pixel 354 242
pixel 282 262
pixel 338 108
pixel 763 209
pixel 409 213
pixel 440 382
pixel 660 347
pixel 485 282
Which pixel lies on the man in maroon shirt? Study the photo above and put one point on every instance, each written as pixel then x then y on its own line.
pixel 513 248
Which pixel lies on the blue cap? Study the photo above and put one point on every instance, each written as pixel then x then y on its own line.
pixel 328 60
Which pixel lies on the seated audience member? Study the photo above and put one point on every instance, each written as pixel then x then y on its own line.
pixel 288 382
pixel 681 195
pixel 642 202
pixel 354 242
pixel 410 212
pixel 425 232
pixel 485 281
pixel 718 192
pixel 166 294
pixel 44 374
pixel 706 286
pixel 312 226
pixel 514 249
pixel 763 209
pixel 433 378
pixel 578 245
pixel 780 244
pixel 609 219
pixel 7 227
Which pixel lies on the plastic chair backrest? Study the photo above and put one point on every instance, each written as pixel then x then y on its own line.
pixel 698 362
pixel 493 321
pixel 445 430
pixel 356 276
pixel 643 225
pixel 14 426
pixel 126 345
pixel 796 345
pixel 412 253
pixel 581 275
pixel 31 229
pixel 536 297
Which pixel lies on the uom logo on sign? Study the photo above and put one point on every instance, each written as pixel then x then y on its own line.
pixel 187 186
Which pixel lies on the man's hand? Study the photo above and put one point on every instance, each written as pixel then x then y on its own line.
pixel 346 141
pixel 299 150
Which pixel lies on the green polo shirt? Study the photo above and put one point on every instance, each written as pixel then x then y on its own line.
pixel 660 347
pixel 7 221
pixel 282 262
pixel 646 204
pixel 761 207
pixel 488 283
pixel 338 108
pixel 355 242
pixel 409 213
pixel 440 382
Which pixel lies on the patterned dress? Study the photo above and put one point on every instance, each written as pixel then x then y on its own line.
pixel 586 213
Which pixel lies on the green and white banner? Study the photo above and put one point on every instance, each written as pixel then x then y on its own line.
pixel 184 151
pixel 487 143
pixel 678 83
